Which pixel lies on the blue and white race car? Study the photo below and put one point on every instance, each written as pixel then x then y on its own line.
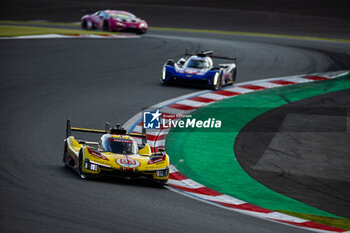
pixel 198 68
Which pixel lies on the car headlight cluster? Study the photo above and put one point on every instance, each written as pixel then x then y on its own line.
pixel 163 173
pixel 163 74
pixel 142 25
pixel 216 78
pixel 90 166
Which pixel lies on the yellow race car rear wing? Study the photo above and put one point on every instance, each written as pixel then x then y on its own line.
pixel 107 130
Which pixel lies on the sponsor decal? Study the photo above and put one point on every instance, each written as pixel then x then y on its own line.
pixel 192 123
pixel 97 155
pixel 120 140
pixel 156 159
pixel 155 119
pixel 151 120
pixel 128 163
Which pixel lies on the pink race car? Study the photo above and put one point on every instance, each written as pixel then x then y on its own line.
pixel 112 20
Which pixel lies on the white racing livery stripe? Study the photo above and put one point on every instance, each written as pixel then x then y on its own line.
pixel 181 184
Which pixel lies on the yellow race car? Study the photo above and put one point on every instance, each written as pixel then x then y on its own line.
pixel 117 153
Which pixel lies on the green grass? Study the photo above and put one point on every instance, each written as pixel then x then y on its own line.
pixel 342 223
pixel 226 175
pixel 10 31
pixel 43 23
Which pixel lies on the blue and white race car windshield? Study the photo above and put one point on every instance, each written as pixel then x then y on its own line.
pixel 196 63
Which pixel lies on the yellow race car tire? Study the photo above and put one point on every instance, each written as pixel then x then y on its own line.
pixel 64 159
pixel 80 166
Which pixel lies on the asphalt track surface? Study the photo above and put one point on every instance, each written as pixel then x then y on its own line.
pixel 91 81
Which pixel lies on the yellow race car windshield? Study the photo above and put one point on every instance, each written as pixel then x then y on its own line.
pixel 119 145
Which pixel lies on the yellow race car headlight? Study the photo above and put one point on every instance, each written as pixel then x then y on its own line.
pixel 163 173
pixel 90 166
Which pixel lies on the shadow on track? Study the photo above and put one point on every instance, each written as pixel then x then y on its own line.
pixel 112 180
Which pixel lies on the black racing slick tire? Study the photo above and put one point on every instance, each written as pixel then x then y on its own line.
pixel 106 26
pixel 160 183
pixel 140 32
pixel 234 76
pixel 80 166
pixel 164 83
pixel 84 25
pixel 64 159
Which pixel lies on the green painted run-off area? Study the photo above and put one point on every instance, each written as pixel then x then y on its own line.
pixel 207 156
